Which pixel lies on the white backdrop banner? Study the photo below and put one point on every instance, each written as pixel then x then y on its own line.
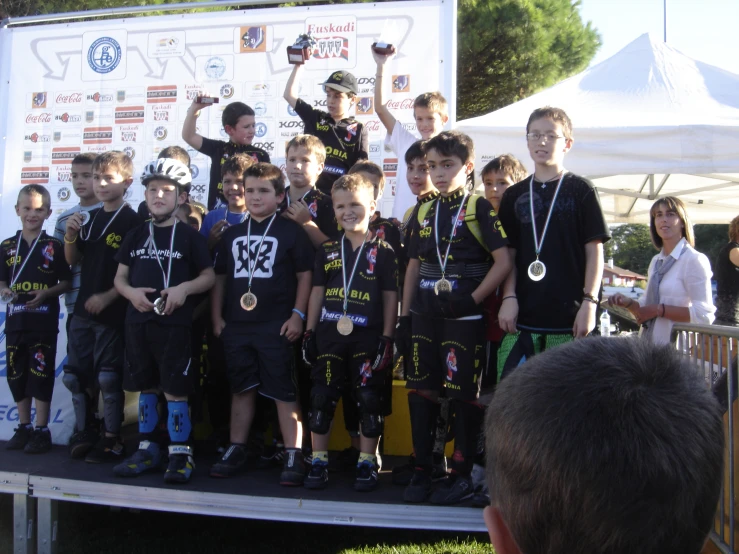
pixel 126 85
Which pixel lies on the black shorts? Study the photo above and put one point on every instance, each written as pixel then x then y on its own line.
pixel 258 356
pixel 447 353
pixel 347 364
pixel 93 345
pixel 31 357
pixel 159 356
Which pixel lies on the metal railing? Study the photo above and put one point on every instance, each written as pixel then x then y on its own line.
pixel 713 348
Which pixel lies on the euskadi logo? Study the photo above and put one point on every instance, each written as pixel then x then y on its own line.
pixel 104 55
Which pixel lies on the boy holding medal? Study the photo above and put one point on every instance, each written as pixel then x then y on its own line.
pixel 355 297
pixel 96 333
pixel 458 257
pixel 263 267
pixel 552 294
pixel 33 273
pixel 161 283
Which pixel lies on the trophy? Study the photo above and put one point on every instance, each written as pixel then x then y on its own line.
pixel 299 53
pixel 383 48
pixel 206 100
pixel 384 44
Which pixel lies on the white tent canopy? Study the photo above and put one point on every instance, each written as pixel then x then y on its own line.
pixel 648 122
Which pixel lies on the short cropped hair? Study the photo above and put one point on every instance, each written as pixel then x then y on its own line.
pixel 605 446
pixel 558 115
pixel 415 152
pixel 676 205
pixel 114 159
pixel 233 112
pixel 508 164
pixel 313 144
pixel 352 182
pixel 41 190
pixel 267 172
pixel 366 166
pixel 456 144
pixel 84 158
pixel 176 153
pixel 236 165
pixel 734 230
pixel 433 101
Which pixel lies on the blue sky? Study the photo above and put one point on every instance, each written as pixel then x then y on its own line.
pixel 702 29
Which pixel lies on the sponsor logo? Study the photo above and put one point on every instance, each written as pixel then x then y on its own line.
pixel 160 133
pixel 348 27
pixel 320 103
pixel 227 91
pixel 64 173
pixel 57 136
pixel 260 108
pixel 167 44
pixel 405 104
pixel 27 156
pixel 36 138
pixel 97 135
pixel 372 125
pixel 89 116
pixel 365 106
pixel 215 67
pixel 261 88
pixel 194 171
pixel 409 127
pixel 34 175
pixel 64 194
pixel 401 83
pixel 332 47
pixel 129 151
pixel 374 148
pixel 131 114
pixel 34 119
pixel 104 55
pixel 164 93
pixel 253 39
pixel 268 146
pixel 38 100
pixel 199 188
pixel 66 117
pixel 191 92
pixel 160 114
pixel 390 167
pixel 291 111
pixel 64 155
pixel 291 124
pixel 129 133
pixel 73 98
pixel 103 97
pixel 120 95
pixel 260 129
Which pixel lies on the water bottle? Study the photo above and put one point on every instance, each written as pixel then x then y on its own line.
pixel 605 324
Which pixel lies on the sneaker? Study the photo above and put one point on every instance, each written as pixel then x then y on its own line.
pixel 272 456
pixel 317 477
pixel 481 498
pixel 39 442
pixel 293 469
pixel 439 470
pixel 419 487
pixel 366 479
pixel 81 442
pixel 457 488
pixel 346 460
pixel 181 464
pixel 402 475
pixel 147 458
pixel 107 449
pixel 20 438
pixel 232 461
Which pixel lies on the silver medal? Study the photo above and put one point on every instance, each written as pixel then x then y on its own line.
pixel 249 301
pixel 537 270
pixel 7 297
pixel 159 305
pixel 442 285
pixel 345 326
pixel 85 217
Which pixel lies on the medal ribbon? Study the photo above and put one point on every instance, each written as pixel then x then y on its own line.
pixel 225 216
pixel 343 268
pixel 168 275
pixel 538 243
pixel 87 237
pixel 13 277
pixel 287 195
pixel 249 264
pixel 442 264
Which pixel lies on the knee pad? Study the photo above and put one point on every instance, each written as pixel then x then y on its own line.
pixel 370 411
pixel 322 408
pixel 80 400
pixel 178 422
pixel 111 388
pixel 148 414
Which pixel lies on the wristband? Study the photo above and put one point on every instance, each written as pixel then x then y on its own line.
pixel 69 241
pixel 509 296
pixel 301 314
pixel 590 298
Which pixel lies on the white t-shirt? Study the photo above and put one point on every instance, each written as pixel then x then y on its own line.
pixel 399 141
pixel 687 284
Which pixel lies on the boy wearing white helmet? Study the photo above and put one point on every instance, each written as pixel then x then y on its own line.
pixel 163 264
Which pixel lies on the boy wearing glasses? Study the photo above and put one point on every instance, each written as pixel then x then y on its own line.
pixel 551 296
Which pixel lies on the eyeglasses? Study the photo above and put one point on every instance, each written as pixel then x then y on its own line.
pixel 548 137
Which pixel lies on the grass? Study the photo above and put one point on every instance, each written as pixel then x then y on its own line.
pixel 92 529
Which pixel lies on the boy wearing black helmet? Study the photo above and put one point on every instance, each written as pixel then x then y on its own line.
pixel 163 264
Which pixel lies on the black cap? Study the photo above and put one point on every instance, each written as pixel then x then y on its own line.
pixel 343 81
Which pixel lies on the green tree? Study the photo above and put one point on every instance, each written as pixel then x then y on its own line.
pixel 709 239
pixel 631 247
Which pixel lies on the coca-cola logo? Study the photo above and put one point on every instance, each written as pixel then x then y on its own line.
pixel 74 98
pixel 372 125
pixel 290 124
pixel 38 118
pixel 406 104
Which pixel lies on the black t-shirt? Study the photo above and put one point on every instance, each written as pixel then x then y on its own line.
pixel 286 251
pixel 727 286
pixel 407 227
pixel 321 209
pixel 469 261
pixel 346 142
pixel 98 249
pixel 190 257
pixel 45 268
pixel 219 151
pixel 377 271
pixel 384 229
pixel 550 305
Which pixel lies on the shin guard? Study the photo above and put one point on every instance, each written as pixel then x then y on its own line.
pixel 148 414
pixel 178 422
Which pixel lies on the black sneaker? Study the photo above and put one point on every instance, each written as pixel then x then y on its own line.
pixel 402 475
pixel 39 442
pixel 20 438
pixel 81 442
pixel 272 456
pixel 366 479
pixel 181 464
pixel 457 488
pixel 317 477
pixel 107 449
pixel 419 488
pixel 293 469
pixel 346 460
pixel 232 461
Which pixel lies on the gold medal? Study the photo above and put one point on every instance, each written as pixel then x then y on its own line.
pixel 345 326
pixel 159 305
pixel 249 301
pixel 442 285
pixel 537 270
pixel 7 297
